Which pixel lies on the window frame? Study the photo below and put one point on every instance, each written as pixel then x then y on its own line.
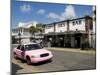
pixel 80 21
pixel 23 47
pixel 73 22
pixel 77 22
pixel 18 47
pixel 61 24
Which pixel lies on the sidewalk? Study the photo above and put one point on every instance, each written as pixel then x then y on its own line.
pixel 78 50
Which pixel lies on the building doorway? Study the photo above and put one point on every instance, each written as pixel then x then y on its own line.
pixel 77 41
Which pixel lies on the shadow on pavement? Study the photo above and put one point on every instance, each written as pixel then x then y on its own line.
pixel 41 63
pixel 14 69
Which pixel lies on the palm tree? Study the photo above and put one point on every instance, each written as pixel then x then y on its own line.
pixel 32 31
pixel 39 28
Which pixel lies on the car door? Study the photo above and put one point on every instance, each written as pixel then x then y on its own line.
pixel 22 52
pixel 18 51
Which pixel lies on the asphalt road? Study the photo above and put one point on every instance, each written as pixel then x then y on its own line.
pixel 62 61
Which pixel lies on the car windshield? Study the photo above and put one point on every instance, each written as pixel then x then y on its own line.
pixel 32 47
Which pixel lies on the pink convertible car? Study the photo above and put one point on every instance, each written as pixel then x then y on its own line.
pixel 32 53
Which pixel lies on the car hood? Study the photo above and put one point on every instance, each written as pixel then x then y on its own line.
pixel 37 52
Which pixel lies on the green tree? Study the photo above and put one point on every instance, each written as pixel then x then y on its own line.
pixel 32 31
pixel 40 29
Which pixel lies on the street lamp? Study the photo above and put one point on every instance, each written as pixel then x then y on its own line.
pixel 19 34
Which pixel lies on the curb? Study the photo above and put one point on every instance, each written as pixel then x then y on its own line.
pixel 92 52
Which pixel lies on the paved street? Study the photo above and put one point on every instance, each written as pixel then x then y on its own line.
pixel 62 61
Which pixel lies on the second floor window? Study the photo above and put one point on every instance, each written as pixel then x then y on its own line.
pixel 77 22
pixel 73 23
pixel 80 21
pixel 48 27
pixel 61 25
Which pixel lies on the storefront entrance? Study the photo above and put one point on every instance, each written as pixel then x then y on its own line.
pixel 78 40
pixel 73 40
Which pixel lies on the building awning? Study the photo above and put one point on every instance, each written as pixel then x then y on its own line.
pixel 64 33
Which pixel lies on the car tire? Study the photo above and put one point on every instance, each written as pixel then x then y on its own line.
pixel 28 60
pixel 50 60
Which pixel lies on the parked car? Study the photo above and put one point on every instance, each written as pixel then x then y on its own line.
pixel 32 53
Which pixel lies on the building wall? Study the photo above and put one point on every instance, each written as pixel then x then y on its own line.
pixel 94 19
pixel 61 27
pixel 94 27
pixel 49 28
pixel 94 35
pixel 23 28
pixel 78 24
pixel 73 25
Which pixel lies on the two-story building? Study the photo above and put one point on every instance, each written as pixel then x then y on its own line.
pixel 69 33
pixel 21 32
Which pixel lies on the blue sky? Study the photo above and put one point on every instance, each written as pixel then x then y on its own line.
pixel 46 12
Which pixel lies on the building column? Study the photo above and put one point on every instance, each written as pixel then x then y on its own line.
pixel 65 40
pixel 72 41
pixel 54 27
pixel 89 38
pixel 68 25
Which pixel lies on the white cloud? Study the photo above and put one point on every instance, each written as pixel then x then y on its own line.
pixel 41 11
pixel 25 8
pixel 53 16
pixel 69 13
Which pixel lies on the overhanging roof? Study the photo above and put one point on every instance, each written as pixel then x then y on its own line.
pixel 63 33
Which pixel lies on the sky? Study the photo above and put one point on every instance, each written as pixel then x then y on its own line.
pixel 45 13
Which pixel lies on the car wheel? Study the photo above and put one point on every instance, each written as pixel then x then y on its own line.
pixel 28 61
pixel 50 60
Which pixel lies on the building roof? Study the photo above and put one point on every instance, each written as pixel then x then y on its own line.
pixel 70 20
pixel 27 25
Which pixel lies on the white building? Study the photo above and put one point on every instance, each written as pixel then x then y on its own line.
pixel 67 25
pixel 60 27
pixel 77 24
pixel 22 30
pixel 49 28
pixel 74 31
